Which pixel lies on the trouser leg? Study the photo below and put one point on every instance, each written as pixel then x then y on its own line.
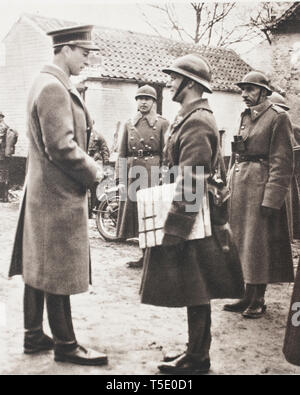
pixel 60 321
pixel 33 309
pixel 199 324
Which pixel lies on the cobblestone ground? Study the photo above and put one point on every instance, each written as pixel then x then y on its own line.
pixel 110 318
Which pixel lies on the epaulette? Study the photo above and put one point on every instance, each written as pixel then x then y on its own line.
pixel 278 109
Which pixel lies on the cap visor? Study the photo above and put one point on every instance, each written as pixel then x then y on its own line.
pixel 90 47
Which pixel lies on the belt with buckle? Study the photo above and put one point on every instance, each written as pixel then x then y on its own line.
pixel 142 153
pixel 251 158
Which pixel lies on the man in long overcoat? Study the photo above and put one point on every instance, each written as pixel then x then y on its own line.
pixel 51 248
pixel 185 272
pixel 141 145
pixel 259 182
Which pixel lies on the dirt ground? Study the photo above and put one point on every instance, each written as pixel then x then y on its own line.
pixel 111 319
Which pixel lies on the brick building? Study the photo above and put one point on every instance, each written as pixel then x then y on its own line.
pixel 127 61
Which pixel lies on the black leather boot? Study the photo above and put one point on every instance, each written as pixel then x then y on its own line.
pixel 136 264
pixel 185 365
pixel 257 307
pixel 242 304
pixel 256 310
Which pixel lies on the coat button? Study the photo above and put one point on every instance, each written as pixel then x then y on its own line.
pixel 151 138
pixel 141 140
pixel 154 127
pixel 242 127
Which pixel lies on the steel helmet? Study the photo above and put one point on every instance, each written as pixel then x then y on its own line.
pixel 256 78
pixel 279 100
pixel 146 90
pixel 194 67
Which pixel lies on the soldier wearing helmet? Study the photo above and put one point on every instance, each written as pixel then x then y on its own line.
pixel 182 272
pixel 141 145
pixel 260 179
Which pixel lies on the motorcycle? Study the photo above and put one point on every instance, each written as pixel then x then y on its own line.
pixel 107 208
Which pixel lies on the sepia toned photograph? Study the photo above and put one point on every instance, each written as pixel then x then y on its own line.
pixel 149 190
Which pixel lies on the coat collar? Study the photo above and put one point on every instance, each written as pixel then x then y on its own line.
pixel 193 105
pixel 185 111
pixel 256 111
pixel 64 79
pixel 151 118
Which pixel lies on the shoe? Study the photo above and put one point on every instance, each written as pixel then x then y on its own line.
pixel 171 357
pixel 81 356
pixel 38 343
pixel 184 365
pixel 256 310
pixel 237 307
pixel 135 264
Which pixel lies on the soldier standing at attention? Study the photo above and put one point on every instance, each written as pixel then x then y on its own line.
pixel 182 272
pixel 141 145
pixel 259 181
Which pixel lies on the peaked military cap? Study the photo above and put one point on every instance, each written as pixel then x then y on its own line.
pixel 80 36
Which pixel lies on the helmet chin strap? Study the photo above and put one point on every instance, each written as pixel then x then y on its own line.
pixel 182 85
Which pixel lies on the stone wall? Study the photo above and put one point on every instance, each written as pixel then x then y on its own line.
pixel 285 74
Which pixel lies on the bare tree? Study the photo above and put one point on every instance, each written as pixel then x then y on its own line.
pixel 265 15
pixel 213 23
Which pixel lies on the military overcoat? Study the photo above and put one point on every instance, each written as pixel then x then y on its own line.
pixel 263 242
pixel 51 248
pixel 142 145
pixel 194 271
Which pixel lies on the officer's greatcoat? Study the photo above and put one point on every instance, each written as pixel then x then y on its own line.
pixel 263 242
pixel 194 271
pixel 141 145
pixel 51 248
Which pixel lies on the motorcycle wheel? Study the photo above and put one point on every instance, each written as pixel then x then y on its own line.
pixel 106 218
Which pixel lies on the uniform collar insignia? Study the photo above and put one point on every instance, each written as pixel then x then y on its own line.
pixel 257 111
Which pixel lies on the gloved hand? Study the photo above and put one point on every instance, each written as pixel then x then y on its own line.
pixel 169 240
pixel 268 211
